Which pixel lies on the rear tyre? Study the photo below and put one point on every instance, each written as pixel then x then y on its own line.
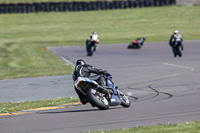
pixel 179 52
pixel 97 99
pixel 125 102
pixel 94 48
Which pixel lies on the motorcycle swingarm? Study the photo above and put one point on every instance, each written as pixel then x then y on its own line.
pixel 102 89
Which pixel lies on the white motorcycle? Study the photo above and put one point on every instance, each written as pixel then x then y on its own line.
pixel 91 45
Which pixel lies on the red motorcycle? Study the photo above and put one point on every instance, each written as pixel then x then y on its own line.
pixel 137 43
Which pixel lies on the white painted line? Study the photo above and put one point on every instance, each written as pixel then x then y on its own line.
pixel 186 67
pixel 170 75
pixel 64 59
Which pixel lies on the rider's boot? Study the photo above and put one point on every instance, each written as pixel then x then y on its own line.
pixel 82 97
pixel 84 100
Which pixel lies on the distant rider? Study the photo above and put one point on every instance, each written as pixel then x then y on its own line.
pixel 175 42
pixel 84 70
pixel 91 43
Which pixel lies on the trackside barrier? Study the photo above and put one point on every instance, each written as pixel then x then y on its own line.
pixel 80 6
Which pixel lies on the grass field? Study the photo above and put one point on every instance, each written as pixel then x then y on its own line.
pixel 24 37
pixel 187 127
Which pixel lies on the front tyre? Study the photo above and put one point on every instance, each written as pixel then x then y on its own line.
pixel 125 102
pixel 94 47
pixel 97 99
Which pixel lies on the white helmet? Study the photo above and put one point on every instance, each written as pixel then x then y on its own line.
pixel 94 33
pixel 176 32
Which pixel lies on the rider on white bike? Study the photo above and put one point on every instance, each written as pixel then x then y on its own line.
pixel 91 43
pixel 175 42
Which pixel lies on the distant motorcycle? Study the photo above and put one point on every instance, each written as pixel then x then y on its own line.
pixel 102 97
pixel 91 46
pixel 137 43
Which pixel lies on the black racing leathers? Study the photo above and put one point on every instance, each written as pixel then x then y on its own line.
pixel 86 71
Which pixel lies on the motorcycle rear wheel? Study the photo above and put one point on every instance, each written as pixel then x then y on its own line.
pixel 98 99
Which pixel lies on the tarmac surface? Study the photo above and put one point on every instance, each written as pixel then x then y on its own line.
pixel 163 90
pixel 36 88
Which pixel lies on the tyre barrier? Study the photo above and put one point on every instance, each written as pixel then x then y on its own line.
pixel 80 6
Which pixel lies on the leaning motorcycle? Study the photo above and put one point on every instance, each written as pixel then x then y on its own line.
pixel 137 43
pixel 102 97
pixel 91 46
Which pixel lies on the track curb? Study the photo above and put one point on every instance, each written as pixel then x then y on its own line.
pixel 41 109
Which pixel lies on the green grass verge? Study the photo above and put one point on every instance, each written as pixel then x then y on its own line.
pixel 19 106
pixel 187 127
pixel 24 37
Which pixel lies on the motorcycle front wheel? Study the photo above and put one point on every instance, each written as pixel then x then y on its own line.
pixel 97 99
pixel 89 50
pixel 125 102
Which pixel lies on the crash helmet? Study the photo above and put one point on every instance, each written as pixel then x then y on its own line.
pixel 94 33
pixel 176 32
pixel 80 62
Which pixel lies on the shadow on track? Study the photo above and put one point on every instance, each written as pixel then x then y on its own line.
pixel 76 111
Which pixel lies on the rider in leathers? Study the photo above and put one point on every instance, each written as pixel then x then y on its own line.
pixel 84 70
pixel 92 41
pixel 176 38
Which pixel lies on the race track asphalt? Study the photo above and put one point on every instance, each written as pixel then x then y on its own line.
pixel 163 90
pixel 36 88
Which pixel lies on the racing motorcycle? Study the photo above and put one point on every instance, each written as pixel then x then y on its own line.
pixel 91 45
pixel 102 97
pixel 137 43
